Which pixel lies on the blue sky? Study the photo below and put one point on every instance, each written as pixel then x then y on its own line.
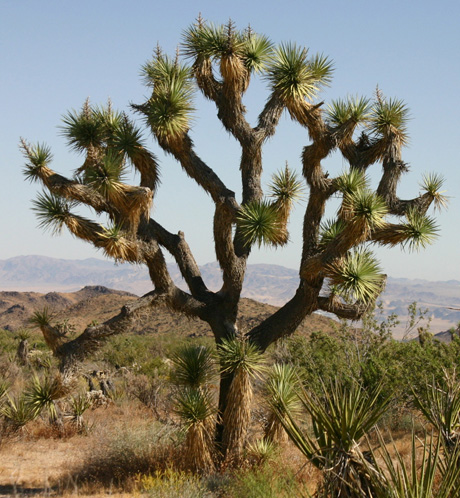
pixel 55 54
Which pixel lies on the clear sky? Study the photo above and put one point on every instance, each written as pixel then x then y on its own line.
pixel 54 54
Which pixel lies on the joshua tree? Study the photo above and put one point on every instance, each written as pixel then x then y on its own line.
pixel 219 62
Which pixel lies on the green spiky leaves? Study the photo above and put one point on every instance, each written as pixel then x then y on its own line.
pixel 194 406
pixel 193 366
pixel 259 223
pixel 207 41
pixel 351 181
pixel 357 276
pixel 169 109
pixel 282 387
pixel 294 76
pixel 41 318
pixel 354 110
pixel 43 393
pixel 39 156
pixel 285 187
pixel 84 129
pixel 52 212
pixel 257 52
pixel 419 230
pixel 106 176
pixel 432 184
pixel 264 222
pixel 389 119
pixel 238 355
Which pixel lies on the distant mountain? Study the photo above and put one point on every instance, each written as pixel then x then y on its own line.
pixel 98 303
pixel 265 283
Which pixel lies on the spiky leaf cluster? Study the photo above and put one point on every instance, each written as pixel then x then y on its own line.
pixel 17 412
pixel 285 187
pixel 389 119
pixel 330 230
pixel 294 76
pixel 41 318
pixel 205 41
pixel 238 354
pixel 194 405
pixel 357 276
pixel 169 109
pixel 193 366
pixel 418 231
pixel 106 176
pixel 52 211
pixel 282 387
pixel 39 156
pixel 364 207
pixel 352 181
pixel 259 223
pixel 341 416
pixel 43 393
pixel 354 110
pixel 432 184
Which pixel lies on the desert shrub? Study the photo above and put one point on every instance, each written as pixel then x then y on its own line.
pixel 171 484
pixel 151 391
pixel 128 452
pixel 267 481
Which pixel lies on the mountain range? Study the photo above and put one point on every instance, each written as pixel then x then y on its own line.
pixel 265 283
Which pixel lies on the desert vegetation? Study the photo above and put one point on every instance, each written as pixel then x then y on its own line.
pixel 348 412
pixel 327 392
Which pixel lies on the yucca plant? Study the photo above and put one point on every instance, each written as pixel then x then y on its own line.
pixel 4 386
pixel 281 395
pixel 262 451
pixel 194 366
pixel 197 410
pixel 43 394
pixel 193 370
pixel 439 403
pixel 78 406
pixel 340 418
pixel 429 474
pixel 243 361
pixel 17 412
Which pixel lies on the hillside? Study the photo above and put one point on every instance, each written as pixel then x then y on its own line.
pixel 270 284
pixel 98 303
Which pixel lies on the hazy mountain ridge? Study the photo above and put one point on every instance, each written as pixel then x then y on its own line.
pixel 265 283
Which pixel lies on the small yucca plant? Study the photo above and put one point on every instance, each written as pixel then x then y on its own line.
pixel 194 369
pixel 197 411
pixel 42 395
pixel 194 366
pixel 17 412
pixel 243 361
pixel 78 406
pixel 440 405
pixel 428 474
pixel 341 417
pixel 281 394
